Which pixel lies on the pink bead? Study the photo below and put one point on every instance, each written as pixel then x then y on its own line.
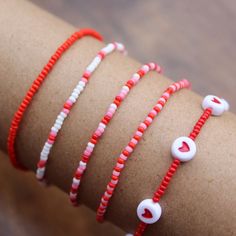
pixel 153 112
pixel 66 111
pixel 72 196
pixel 140 134
pixel 166 95
pixel 104 201
pixel 50 141
pixel 87 153
pixel 115 173
pixel 133 140
pixel 79 171
pixel 84 80
pixel 88 148
pixel 122 95
pixel 134 81
pixel 121 166
pixel 149 119
pixel 123 157
pixel 109 114
pixel 98 132
pixel 82 167
pixel 143 125
pixel 124 91
pixel 53 133
pixel 100 129
pixel 177 86
pixel 75 186
pixel 69 102
pixel 129 149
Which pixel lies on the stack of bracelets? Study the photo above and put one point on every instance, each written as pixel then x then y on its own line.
pixel 183 148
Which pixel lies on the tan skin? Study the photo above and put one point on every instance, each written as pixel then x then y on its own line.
pixel 201 199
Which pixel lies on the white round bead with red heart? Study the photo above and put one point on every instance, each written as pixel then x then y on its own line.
pixel 183 149
pixel 217 104
pixel 149 211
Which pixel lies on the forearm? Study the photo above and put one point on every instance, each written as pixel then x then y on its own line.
pixel 202 192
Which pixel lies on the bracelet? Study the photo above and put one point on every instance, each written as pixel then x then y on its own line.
pixel 18 116
pixel 41 166
pixel 94 139
pixel 125 154
pixel 183 149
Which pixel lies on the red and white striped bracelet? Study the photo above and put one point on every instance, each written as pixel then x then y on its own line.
pixel 18 116
pixel 94 139
pixel 183 149
pixel 44 155
pixel 125 154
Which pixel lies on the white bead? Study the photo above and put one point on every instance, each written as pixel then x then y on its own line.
pixel 148 211
pixel 57 126
pixel 109 48
pixel 82 84
pixel 58 121
pixel 76 181
pixel 113 105
pixel 120 46
pixel 215 104
pixel 129 235
pixel 43 153
pixel 39 175
pixel 46 149
pixel 79 87
pixel 162 99
pixel 152 65
pixel 126 88
pixel 159 106
pixel 91 67
pixel 145 68
pixel 91 145
pixel 102 125
pixel 63 114
pixel 83 164
pixel 72 99
pixel 75 95
pixel 54 129
pixel 44 158
pixel 60 118
pixel 48 145
pixel 183 149
pixel 136 76
pixel 97 60
pixel 226 104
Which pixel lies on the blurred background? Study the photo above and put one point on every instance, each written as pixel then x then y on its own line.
pixel 191 39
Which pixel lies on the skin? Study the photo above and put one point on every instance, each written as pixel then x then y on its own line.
pixel 201 198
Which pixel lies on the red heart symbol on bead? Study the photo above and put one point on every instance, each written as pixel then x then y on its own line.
pixel 184 148
pixel 147 214
pixel 215 100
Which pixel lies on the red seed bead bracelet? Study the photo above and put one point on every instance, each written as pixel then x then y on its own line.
pixel 126 153
pixel 183 149
pixel 18 116
pixel 95 137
